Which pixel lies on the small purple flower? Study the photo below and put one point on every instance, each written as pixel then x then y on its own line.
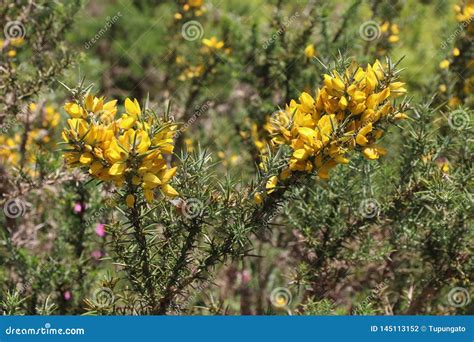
pixel 100 229
pixel 96 254
pixel 67 295
pixel 245 277
pixel 78 208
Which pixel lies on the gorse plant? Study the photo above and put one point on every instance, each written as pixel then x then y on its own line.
pixel 346 113
pixel 130 152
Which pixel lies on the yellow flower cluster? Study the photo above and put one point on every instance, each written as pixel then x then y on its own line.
pixel 10 46
pixel 391 31
pixel 9 149
pixel 462 61
pixel 191 72
pixel 309 51
pixel 345 114
pixel 458 68
pixel 128 151
pixel 194 7
pixel 464 11
pixel 213 45
pixel 209 46
pixel 39 136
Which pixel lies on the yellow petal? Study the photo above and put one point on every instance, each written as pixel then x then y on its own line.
pixel 400 116
pixel 257 198
pixel 117 169
pixel 169 191
pixel 148 195
pixel 86 158
pixel 130 200
pixel 127 121
pixel 168 174
pixel 271 184
pixel 132 108
pixel 300 154
pixel 444 64
pixel 370 153
pixel 151 180
pixel 95 168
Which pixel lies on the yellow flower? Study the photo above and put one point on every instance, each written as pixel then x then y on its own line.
pixel 271 184
pixel 189 144
pixel 395 29
pixel 443 164
pixel 454 101
pixel 465 12
pixel 393 39
pixel 195 3
pixel 385 27
pixel 456 52
pixel 130 201
pixel 360 138
pixel 309 51
pixel 17 41
pixel 400 116
pixel 373 152
pixel 74 110
pixel 133 108
pixel 213 43
pixel 257 197
pixel 169 191
pixel 132 114
pixel 444 64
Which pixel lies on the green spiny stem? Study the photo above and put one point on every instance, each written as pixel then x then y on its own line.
pixel 143 255
pixel 169 293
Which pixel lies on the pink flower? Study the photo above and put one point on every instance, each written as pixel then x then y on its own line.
pixel 78 208
pixel 100 229
pixel 245 277
pixel 97 254
pixel 67 295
